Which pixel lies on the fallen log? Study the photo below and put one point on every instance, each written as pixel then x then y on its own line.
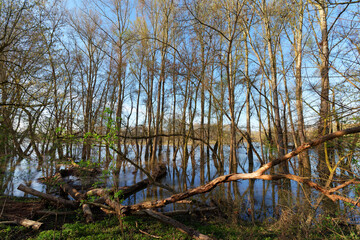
pixel 120 210
pixel 87 213
pixel 66 188
pixel 258 174
pixel 127 191
pixel 181 212
pixel 48 212
pixel 22 221
pixel 79 197
pixel 104 193
pixel 159 173
pixel 99 205
pixel 181 227
pixel 74 169
pixel 51 198
pixel 29 223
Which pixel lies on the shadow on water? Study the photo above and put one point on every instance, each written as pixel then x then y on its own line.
pixel 251 200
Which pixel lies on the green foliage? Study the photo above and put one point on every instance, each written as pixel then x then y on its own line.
pixel 97 183
pixel 332 228
pixel 109 229
pixel 325 228
pixel 13 232
pixel 88 164
pixel 8 231
pixel 111 137
pixel 78 230
pixel 119 194
pixel 59 130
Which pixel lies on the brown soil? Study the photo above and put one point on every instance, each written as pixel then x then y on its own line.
pixel 14 208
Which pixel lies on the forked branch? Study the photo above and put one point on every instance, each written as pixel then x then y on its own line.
pixel 258 174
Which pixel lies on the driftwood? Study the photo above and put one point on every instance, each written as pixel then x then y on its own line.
pixel 182 212
pixel 74 169
pixel 258 174
pixel 48 212
pixel 29 223
pixel 87 213
pixel 22 221
pixel 181 227
pixel 51 198
pixel 159 173
pixel 66 188
pixel 79 197
pixel 117 207
pixel 104 194
pixel 113 206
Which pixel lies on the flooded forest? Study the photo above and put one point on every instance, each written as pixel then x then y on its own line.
pixel 249 106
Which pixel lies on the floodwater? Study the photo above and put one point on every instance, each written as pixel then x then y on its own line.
pixel 249 199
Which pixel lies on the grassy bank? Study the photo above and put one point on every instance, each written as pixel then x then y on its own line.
pixel 220 226
pixel 137 228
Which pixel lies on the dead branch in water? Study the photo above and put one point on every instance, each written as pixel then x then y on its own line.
pixel 258 174
pixel 51 198
pixel 111 205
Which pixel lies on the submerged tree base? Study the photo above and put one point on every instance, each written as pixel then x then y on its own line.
pixel 289 222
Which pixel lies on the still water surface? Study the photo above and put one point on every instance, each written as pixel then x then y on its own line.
pixel 257 199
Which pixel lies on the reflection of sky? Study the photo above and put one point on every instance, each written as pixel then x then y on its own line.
pixel 265 193
pixel 27 174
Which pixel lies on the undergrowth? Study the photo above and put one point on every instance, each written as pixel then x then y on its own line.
pixel 220 228
pixel 225 225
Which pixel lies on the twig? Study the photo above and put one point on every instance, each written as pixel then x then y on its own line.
pixel 178 225
pixel 99 205
pixel 143 232
pixel 3 207
pixel 46 212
